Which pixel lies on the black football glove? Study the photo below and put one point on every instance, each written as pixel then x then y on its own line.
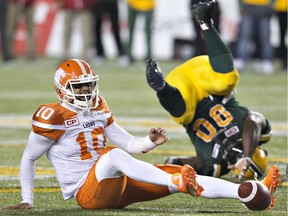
pixel 202 12
pixel 154 75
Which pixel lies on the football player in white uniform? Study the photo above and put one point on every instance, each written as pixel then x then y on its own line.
pixel 73 134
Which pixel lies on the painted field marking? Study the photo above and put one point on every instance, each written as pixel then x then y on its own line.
pixel 133 124
pixel 36 190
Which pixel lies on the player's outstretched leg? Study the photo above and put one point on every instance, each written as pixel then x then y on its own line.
pixel 154 75
pixel 202 10
pixel 272 181
pixel 186 181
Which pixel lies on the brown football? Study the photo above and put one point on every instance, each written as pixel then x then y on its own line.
pixel 254 195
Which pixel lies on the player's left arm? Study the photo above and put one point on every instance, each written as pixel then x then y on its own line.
pixel 253 125
pixel 133 144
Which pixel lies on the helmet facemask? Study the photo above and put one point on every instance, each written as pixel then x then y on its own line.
pixel 76 84
pixel 82 93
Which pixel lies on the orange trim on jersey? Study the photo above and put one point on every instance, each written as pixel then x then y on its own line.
pixel 52 120
pixel 49 119
pixel 102 105
pixel 110 120
pixel 50 133
pixel 53 114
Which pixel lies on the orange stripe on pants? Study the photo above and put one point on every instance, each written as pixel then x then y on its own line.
pixel 119 192
pixel 138 191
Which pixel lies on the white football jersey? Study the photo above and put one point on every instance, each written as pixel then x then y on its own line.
pixel 79 139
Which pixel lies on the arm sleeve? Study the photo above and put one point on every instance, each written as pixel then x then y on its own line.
pixel 126 141
pixel 37 145
pixel 172 101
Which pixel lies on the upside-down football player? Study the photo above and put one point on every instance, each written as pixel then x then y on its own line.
pixel 199 94
pixel 73 132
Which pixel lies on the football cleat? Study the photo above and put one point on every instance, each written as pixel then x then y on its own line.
pixel 154 75
pixel 186 181
pixel 272 181
pixel 202 10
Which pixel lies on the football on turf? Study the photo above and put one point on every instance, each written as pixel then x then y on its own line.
pixel 254 195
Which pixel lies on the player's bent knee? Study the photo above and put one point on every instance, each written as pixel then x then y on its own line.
pixel 104 168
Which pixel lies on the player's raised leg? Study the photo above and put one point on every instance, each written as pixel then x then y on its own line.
pixel 185 181
pixel 137 191
pixel 116 165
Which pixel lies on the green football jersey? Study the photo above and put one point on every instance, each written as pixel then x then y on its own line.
pixel 212 116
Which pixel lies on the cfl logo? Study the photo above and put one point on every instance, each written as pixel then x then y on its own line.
pixel 71 122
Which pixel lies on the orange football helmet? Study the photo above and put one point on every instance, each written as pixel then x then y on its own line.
pixel 71 75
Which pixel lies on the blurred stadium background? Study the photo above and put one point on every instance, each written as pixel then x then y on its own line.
pixel 172 23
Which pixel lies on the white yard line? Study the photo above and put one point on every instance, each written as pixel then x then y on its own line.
pixel 139 124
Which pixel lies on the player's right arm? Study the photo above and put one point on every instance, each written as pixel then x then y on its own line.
pixel 37 145
pixel 254 124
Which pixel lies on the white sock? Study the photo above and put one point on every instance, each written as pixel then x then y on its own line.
pixel 217 188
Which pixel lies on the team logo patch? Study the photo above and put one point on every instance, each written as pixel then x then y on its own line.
pixel 71 122
pixel 231 131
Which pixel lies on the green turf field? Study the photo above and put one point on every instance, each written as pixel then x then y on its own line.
pixel 24 85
